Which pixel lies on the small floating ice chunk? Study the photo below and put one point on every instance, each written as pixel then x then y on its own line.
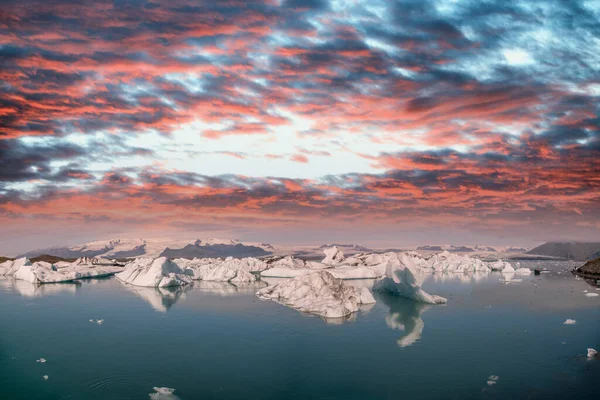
pixel 318 293
pixel 163 393
pixel 45 377
pixel 523 271
pixel 591 353
pixel 591 294
pixel 41 360
pixel 569 322
pixel 91 320
pixel 492 380
pixel 99 321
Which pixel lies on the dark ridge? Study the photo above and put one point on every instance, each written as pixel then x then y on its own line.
pixel 50 258
pixel 64 252
pixel 2 259
pixel 569 250
pixel 215 250
pixel 590 269
pixel 346 246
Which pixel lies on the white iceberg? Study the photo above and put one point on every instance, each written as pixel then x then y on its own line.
pixel 591 353
pixel 569 322
pixel 402 278
pixel 333 256
pixel 9 267
pixel 149 272
pixel 318 293
pixel 217 270
pixel 44 272
pixel 591 294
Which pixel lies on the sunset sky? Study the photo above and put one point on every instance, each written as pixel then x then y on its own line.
pixel 376 122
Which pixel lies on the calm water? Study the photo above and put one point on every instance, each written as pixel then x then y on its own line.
pixel 213 341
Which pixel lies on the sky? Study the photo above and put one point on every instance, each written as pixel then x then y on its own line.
pixel 300 121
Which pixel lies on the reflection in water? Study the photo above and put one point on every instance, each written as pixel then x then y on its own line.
pixel 229 289
pixel 29 289
pixel 404 315
pixel 161 299
pixel 465 278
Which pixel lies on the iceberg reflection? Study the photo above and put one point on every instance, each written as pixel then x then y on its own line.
pixel 229 289
pixel 29 289
pixel 161 299
pixel 405 315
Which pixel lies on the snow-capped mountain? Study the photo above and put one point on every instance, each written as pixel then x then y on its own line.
pixel 173 248
pixel 469 249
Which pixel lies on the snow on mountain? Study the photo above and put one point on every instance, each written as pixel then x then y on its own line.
pixel 155 247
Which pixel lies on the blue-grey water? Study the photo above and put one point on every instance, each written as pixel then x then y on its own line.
pixel 216 341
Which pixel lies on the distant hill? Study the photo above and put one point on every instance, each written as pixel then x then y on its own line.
pixel 569 250
pixel 214 250
pixel 470 249
pixel 347 247
pixel 172 248
pixel 590 268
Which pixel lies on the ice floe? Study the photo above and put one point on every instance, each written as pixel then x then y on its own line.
pixel 45 377
pixel 163 393
pixel 591 294
pixel 402 278
pixel 492 380
pixel 318 293
pixel 9 267
pixel 591 353
pixel 333 255
pixel 149 272
pixel 569 322
pixel 44 272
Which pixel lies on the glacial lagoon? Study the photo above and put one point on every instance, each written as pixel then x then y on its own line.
pixel 102 339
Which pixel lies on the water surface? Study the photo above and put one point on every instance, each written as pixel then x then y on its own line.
pixel 216 341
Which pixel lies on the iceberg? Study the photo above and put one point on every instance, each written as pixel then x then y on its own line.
pixel 402 278
pixel 333 255
pixel 228 270
pixel 9 267
pixel 569 321
pixel 318 293
pixel 523 271
pixel 44 272
pixel 158 272
pixel 591 353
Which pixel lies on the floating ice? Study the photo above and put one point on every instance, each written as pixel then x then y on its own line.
pixel 591 294
pixel 402 278
pixel 44 272
pixel 9 267
pixel 163 393
pixel 41 360
pixel 492 380
pixel 149 272
pixel 333 255
pixel 523 271
pixel 569 322
pixel 99 321
pixel 45 377
pixel 318 293
pixel 591 353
